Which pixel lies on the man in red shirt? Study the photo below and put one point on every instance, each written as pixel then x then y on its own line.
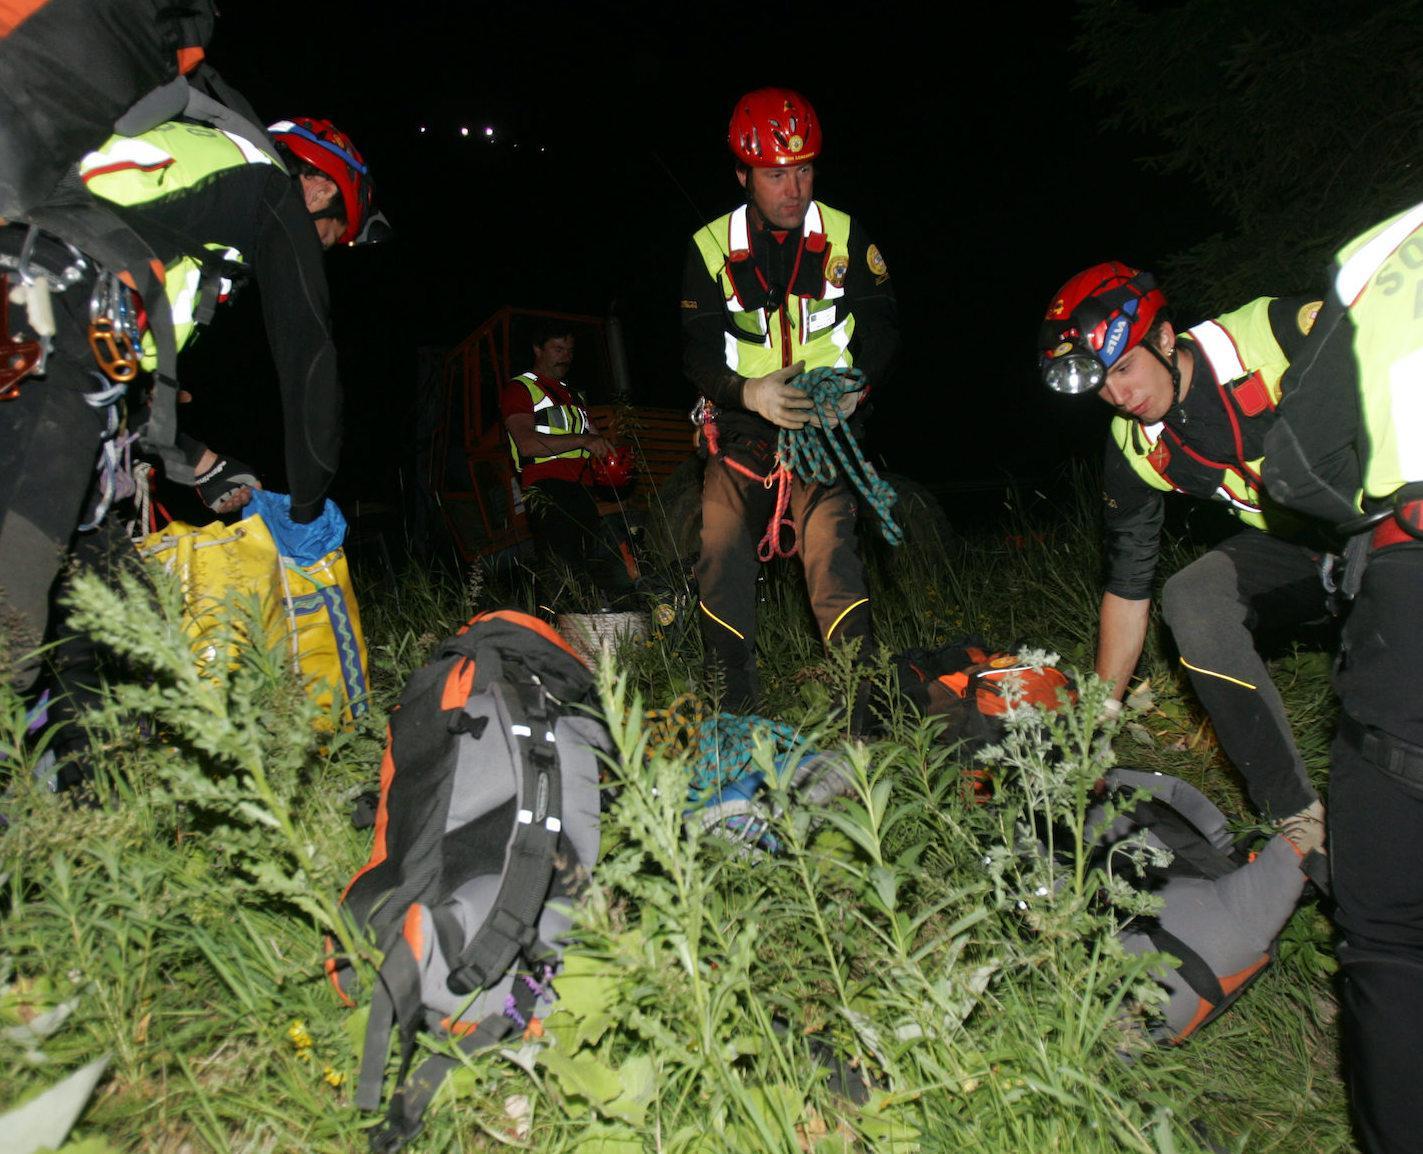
pixel 554 443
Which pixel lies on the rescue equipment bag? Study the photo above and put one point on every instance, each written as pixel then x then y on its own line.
pixel 967 683
pixel 298 577
pixel 1223 909
pixel 486 826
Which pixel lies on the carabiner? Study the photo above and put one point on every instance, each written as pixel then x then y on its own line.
pixel 113 350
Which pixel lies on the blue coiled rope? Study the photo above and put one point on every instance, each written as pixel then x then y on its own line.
pixel 725 745
pixel 811 452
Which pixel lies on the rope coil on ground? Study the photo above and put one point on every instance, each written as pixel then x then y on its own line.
pixel 723 743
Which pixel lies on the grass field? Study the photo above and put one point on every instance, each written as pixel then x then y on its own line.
pixel 177 932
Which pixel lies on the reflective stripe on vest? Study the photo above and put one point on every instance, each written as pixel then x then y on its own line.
pixel 169 160
pixel 1234 346
pixel 817 328
pixel 550 419
pixel 1380 281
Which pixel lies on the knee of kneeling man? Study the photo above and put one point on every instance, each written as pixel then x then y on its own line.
pixel 1200 587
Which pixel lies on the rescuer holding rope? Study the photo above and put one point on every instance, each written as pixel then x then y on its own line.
pixel 782 286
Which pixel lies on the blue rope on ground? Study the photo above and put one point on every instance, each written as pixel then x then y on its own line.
pixel 813 458
pixel 725 743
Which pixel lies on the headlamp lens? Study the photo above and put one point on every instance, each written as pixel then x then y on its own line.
pixel 1074 373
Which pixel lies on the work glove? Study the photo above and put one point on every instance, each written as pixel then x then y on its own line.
pixel 776 399
pixel 228 485
pixel 844 407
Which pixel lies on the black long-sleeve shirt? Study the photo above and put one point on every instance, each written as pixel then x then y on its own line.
pixel 258 210
pixel 869 295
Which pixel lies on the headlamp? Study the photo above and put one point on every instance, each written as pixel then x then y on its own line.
pixel 1074 373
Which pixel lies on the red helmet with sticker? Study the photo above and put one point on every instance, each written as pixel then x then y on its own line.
pixel 614 470
pixel 772 127
pixel 321 144
pixel 1093 320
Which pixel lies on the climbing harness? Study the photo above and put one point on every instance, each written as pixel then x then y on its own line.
pixel 812 458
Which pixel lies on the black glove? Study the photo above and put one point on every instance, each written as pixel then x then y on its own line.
pixel 224 479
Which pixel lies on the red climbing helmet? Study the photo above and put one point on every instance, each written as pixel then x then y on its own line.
pixel 772 127
pixel 1095 317
pixel 322 144
pixel 614 470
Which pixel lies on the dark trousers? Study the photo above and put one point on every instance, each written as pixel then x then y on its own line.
pixel 1250 582
pixel 564 518
pixel 735 513
pixel 1376 853
pixel 49 443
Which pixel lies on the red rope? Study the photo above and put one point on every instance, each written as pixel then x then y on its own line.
pixel 780 524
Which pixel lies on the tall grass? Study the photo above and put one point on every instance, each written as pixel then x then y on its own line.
pixel 906 942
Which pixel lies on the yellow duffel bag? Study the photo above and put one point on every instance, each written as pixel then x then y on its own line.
pixel 297 576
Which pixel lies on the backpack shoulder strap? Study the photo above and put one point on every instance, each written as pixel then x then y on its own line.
pixel 1194 968
pixel 511 927
pixel 1183 840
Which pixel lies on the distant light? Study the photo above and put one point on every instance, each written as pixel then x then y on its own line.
pixel 489 132
pixel 464 131
pixel 422 128
pixel 542 149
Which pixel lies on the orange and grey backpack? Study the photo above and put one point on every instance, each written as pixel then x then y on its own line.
pixel 485 830
pixel 967 684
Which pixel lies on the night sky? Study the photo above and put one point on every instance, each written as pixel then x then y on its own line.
pixel 966 153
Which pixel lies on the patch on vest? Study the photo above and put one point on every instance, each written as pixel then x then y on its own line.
pixel 837 264
pixel 875 261
pixel 1160 456
pixel 1251 397
pixel 1307 316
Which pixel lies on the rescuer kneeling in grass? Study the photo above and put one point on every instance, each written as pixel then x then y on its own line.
pixel 1192 412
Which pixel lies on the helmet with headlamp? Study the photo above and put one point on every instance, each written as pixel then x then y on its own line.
pixel 1094 320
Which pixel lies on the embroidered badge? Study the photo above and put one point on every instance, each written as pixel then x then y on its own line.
pixel 1307 316
pixel 837 264
pixel 875 261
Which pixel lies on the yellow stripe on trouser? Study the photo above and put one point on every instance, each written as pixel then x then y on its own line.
pixel 1213 673
pixel 836 623
pixel 723 624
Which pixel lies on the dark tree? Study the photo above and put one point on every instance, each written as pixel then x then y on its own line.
pixel 1300 120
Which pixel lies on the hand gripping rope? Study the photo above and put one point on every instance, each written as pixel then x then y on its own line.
pixel 811 457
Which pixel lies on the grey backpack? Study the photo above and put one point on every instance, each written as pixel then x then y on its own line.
pixel 1223 909
pixel 486 827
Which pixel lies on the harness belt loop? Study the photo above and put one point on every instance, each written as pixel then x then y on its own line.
pixel 1398 758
